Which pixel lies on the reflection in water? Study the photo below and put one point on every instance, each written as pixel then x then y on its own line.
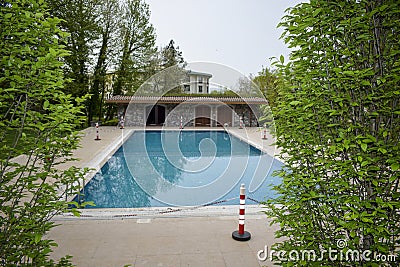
pixel 174 156
pixel 111 187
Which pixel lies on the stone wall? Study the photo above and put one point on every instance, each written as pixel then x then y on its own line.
pixel 135 114
pixel 174 113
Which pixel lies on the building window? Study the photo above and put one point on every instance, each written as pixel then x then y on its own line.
pixel 200 79
pixel 186 88
pixel 200 89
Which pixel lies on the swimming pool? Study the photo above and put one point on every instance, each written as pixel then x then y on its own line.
pixel 181 168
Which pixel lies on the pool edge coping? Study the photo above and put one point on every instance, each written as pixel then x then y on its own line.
pixel 161 212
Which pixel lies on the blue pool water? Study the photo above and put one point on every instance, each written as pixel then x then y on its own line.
pixel 181 168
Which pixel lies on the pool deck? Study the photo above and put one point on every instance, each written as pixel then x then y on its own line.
pixel 159 237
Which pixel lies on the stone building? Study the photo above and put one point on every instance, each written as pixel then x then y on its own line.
pixel 194 111
pixel 197 82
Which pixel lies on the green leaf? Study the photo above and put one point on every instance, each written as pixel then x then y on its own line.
pixel 294 103
pixel 46 104
pixel 395 166
pixel 365 83
pixel 367 220
pixel 52 51
pixel 8 15
pixel 364 163
pixel 38 237
pixel 282 59
pixel 371 137
pixel 382 150
pixel 76 212
pixel 348 72
pixel 364 146
pixel 88 203
pixel 317 11
pixel 383 8
pixel 337 70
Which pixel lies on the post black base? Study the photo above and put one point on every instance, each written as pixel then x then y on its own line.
pixel 244 237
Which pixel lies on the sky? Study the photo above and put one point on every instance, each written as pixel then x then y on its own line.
pixel 240 34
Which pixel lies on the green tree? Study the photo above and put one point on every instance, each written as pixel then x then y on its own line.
pixel 169 65
pixel 171 56
pixel 108 29
pixel 138 46
pixel 80 20
pixel 37 122
pixel 338 125
pixel 267 81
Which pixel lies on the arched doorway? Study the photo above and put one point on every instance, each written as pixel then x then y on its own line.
pixel 202 116
pixel 224 115
pixel 155 115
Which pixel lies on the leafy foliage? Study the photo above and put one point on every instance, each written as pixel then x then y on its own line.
pixel 85 23
pixel 40 119
pixel 107 37
pixel 138 46
pixel 267 81
pixel 171 56
pixel 108 30
pixel 111 50
pixel 338 125
pixel 79 20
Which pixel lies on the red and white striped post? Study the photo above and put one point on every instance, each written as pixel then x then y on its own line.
pixel 241 234
pixel 181 124
pixel 97 132
pixel 264 136
pixel 240 122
